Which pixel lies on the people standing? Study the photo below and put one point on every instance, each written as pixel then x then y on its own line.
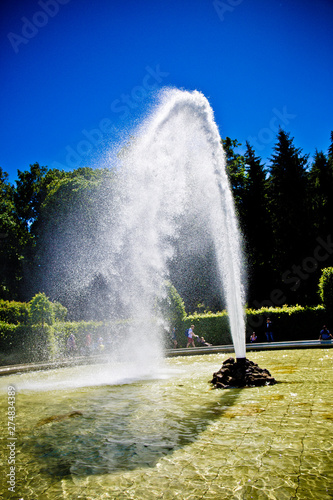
pixel 174 338
pixel 88 344
pixel 268 331
pixel 71 344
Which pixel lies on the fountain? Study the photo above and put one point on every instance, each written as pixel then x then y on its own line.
pixel 175 184
pixel 149 434
pixel 174 177
pixel 170 190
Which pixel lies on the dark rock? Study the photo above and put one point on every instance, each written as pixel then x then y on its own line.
pixel 243 374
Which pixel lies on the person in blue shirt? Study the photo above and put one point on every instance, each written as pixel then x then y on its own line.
pixel 325 334
pixel 190 337
pixel 268 331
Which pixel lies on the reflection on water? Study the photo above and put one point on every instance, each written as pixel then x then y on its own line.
pixel 116 428
pixel 176 437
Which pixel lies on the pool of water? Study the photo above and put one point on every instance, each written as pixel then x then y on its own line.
pixel 170 435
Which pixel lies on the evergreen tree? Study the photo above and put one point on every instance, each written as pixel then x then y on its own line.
pixel 288 206
pixel 257 229
pixel 321 194
pixel 321 204
pixel 330 150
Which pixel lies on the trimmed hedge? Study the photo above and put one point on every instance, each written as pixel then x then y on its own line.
pixel 14 312
pixel 36 342
pixel 80 331
pixel 289 323
pixel 30 342
pixel 213 327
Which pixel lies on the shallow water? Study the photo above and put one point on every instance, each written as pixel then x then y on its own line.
pixel 171 436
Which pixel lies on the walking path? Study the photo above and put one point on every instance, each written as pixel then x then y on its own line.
pixel 191 351
pixel 262 346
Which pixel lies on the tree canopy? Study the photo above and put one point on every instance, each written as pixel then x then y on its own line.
pixel 51 219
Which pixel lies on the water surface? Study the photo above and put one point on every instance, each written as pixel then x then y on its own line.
pixel 171 436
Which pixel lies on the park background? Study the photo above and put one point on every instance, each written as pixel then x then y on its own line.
pixel 78 79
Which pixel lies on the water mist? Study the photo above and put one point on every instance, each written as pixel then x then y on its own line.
pixel 173 177
pixel 168 198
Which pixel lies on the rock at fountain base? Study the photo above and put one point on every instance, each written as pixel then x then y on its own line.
pixel 241 374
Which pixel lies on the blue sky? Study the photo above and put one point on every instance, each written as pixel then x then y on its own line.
pixel 78 75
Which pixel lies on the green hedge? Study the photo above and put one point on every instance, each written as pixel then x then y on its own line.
pixel 213 327
pixel 14 312
pixel 8 336
pixel 80 330
pixel 29 342
pixel 325 290
pixel 36 343
pixel 289 323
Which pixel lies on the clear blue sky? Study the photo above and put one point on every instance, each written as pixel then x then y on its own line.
pixel 77 74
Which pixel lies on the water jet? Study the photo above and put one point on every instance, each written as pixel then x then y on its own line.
pixel 178 192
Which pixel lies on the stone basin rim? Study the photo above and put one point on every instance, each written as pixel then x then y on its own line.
pixel 191 351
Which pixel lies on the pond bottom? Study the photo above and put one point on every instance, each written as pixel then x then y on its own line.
pixel 176 438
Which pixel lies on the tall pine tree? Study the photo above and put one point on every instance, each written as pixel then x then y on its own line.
pixel 288 206
pixel 257 229
pixel 321 194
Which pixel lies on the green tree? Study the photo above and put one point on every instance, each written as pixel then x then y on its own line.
pixel 288 204
pixel 257 228
pixel 325 290
pixel 59 311
pixel 41 310
pixel 12 239
pixel 172 307
pixel 73 235
pixel 321 194
pixel 330 150
pixel 235 166
pixel 28 194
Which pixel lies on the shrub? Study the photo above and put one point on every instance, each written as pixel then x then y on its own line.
pixel 41 310
pixel 8 337
pixel 80 329
pixel 213 326
pixel 59 311
pixel 326 290
pixel 19 312
pixel 288 322
pixel 14 312
pixel 172 307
